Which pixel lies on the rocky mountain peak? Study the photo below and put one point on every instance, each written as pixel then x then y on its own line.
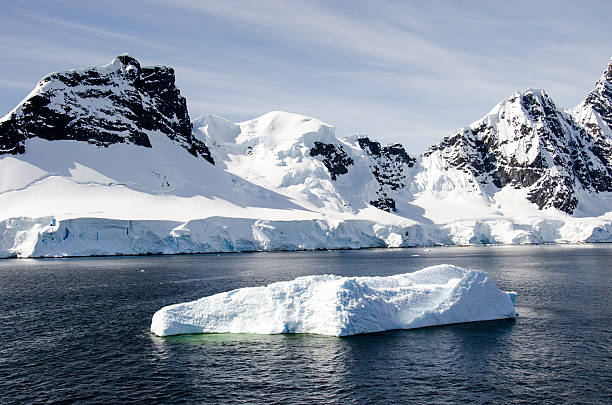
pixel 526 142
pixel 524 111
pixel 127 61
pixel 537 103
pixel 600 101
pixel 121 102
pixel 607 75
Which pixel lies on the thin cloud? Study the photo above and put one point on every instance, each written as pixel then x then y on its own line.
pixel 392 69
pixel 102 32
pixel 39 49
pixel 304 22
pixel 393 38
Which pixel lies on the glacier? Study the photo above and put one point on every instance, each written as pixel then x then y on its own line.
pixel 49 237
pixel 343 306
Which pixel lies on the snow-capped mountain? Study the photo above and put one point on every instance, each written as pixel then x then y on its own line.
pixel 296 156
pixel 528 143
pixel 106 161
pixel 594 115
pixel 120 102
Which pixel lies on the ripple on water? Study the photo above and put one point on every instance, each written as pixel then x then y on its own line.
pixel 77 330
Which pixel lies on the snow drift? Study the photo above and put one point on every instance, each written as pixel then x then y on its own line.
pixel 343 306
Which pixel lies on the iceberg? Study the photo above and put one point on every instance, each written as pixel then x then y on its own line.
pixel 343 306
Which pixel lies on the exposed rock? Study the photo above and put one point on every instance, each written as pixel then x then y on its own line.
pixel 334 157
pixel 389 165
pixel 121 102
pixel 527 142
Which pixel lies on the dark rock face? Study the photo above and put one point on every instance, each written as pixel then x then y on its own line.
pixel 334 157
pixel 557 192
pixel 600 99
pixel 388 165
pixel 594 115
pixel 529 143
pixel 384 203
pixel 118 103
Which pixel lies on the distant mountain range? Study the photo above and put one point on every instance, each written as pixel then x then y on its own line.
pixel 106 160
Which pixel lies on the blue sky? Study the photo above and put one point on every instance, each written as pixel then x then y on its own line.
pixel 402 71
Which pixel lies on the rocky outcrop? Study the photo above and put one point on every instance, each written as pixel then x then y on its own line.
pixel 389 166
pixel 334 157
pixel 121 102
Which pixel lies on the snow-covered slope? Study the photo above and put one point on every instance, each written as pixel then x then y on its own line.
pixel 343 306
pixel 106 161
pixel 294 155
pixel 527 143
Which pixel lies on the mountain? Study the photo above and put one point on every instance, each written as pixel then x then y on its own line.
pixel 106 160
pixel 528 143
pixel 301 157
pixel 120 102
pixel 594 115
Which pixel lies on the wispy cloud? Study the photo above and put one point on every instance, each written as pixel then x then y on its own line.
pixel 102 33
pixel 393 38
pixel 394 41
pixel 303 22
pixel 40 50
pixel 412 70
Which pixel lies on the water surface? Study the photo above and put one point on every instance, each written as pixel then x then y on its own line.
pixel 77 330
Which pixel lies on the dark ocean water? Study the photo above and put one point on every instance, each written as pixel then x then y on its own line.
pixel 77 330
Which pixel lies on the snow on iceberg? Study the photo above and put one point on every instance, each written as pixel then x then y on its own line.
pixel 342 306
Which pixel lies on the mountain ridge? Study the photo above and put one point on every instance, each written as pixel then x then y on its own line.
pixel 117 143
pixel 120 102
pixel 527 142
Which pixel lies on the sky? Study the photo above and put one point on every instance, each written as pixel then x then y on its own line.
pixel 398 71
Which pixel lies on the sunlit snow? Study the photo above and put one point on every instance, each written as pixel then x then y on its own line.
pixel 342 306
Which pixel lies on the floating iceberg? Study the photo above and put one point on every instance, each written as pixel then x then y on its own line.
pixel 342 306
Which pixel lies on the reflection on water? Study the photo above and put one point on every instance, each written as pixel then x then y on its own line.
pixel 78 329
pixel 378 366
